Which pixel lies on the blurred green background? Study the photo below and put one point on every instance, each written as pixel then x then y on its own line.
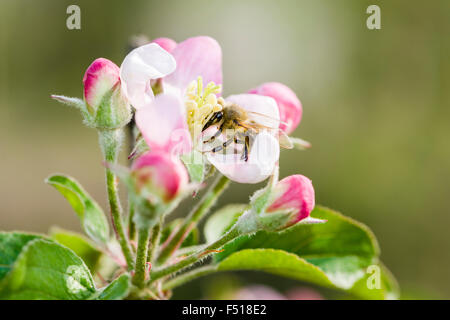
pixel 376 108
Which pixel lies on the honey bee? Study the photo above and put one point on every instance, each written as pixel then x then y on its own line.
pixel 233 117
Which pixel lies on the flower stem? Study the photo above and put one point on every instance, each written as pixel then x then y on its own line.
pixel 197 213
pixel 110 141
pixel 131 142
pixel 154 242
pixel 131 225
pixel 188 276
pixel 141 257
pixel 230 235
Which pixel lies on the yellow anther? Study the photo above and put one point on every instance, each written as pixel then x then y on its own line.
pixel 191 87
pixel 201 102
pixel 199 86
pixel 191 104
pixel 211 99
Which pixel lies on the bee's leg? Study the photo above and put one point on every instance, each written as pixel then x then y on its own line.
pixel 218 133
pixel 216 116
pixel 228 142
pixel 246 149
pixel 216 149
pixel 223 146
pixel 237 141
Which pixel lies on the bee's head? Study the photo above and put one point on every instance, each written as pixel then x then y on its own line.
pixel 215 118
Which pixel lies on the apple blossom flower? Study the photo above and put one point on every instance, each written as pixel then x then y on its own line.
pixel 160 171
pixel 198 61
pixel 104 105
pixel 165 43
pixel 140 66
pixel 262 292
pixel 163 125
pixel 279 205
pixel 294 194
pixel 100 77
pixel 158 174
pixel 289 105
pixel 265 151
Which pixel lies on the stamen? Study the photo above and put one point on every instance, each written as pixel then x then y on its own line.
pixel 201 103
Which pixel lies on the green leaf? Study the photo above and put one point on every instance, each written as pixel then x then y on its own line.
pixel 222 220
pixel 47 270
pixel 93 220
pixel 11 244
pixel 191 240
pixel 117 289
pixel 195 166
pixel 290 265
pixel 278 262
pixel 388 286
pixel 340 236
pixel 341 248
pixel 79 244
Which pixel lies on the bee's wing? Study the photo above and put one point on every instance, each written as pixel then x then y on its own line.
pixel 284 140
pixel 266 116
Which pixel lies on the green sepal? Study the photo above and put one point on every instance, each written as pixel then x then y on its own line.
pixel 114 111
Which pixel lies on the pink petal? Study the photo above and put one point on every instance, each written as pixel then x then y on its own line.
pixel 163 124
pixel 199 56
pixel 262 110
pixel 258 292
pixel 139 67
pixel 289 105
pixel 262 159
pixel 294 192
pixel 162 173
pixel 100 77
pixel 166 43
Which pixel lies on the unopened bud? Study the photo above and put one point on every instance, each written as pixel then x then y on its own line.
pixel 106 105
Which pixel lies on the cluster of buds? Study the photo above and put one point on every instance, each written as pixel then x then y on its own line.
pixel 167 122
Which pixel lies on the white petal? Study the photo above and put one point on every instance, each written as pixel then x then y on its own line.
pixel 262 159
pixel 262 109
pixel 139 67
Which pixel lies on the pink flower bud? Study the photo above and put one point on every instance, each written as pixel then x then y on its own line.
pixel 166 43
pixel 289 105
pixel 106 105
pixel 100 78
pixel 295 193
pixel 159 174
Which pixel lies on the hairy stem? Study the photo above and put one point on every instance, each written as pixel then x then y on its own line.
pixel 229 236
pixel 131 142
pixel 131 225
pixel 198 212
pixel 110 141
pixel 188 276
pixel 154 242
pixel 141 257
